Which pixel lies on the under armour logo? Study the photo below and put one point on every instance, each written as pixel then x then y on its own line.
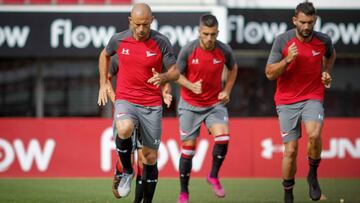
pixel 195 61
pixel 157 142
pixel 125 51
pixel 321 117
pixel 269 148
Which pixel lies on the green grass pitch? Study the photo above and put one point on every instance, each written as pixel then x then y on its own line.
pixel 237 190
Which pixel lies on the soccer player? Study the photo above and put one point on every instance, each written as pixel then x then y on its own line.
pixel 136 138
pixel 141 52
pixel 203 98
pixel 300 60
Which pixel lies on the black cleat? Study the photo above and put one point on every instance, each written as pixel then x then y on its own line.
pixel 289 196
pixel 314 189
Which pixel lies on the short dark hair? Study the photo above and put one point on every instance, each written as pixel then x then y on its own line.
pixel 306 7
pixel 209 20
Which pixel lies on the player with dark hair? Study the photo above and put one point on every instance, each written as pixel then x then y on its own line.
pixel 142 53
pixel 203 98
pixel 301 60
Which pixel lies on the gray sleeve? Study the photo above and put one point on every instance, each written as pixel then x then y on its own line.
pixel 115 40
pixel 229 57
pixel 167 52
pixel 276 51
pixel 181 62
pixel 328 43
pixel 114 65
pixel 112 45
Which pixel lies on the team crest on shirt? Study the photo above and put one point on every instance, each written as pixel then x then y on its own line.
pixel 150 54
pixel 315 53
pixel 215 61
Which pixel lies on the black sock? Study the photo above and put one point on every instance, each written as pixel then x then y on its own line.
pixel 185 170
pixel 219 152
pixel 138 190
pixel 314 164
pixel 149 180
pixel 288 189
pixel 123 148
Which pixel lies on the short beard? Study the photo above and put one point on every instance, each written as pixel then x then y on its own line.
pixel 305 36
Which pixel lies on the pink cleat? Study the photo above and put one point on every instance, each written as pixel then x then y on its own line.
pixel 216 186
pixel 183 198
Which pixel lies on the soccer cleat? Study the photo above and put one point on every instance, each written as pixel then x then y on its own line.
pixel 288 197
pixel 115 185
pixel 314 189
pixel 124 186
pixel 216 186
pixel 183 198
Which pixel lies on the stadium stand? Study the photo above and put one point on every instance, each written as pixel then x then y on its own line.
pixel 65 2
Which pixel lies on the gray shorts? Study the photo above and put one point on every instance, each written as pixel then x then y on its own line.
pixel 191 119
pixel 291 115
pixel 146 119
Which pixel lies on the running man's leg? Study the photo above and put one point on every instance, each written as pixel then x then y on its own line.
pixel 290 130
pixel 150 173
pixel 220 148
pixel 185 166
pixel 190 123
pixel 289 168
pixel 138 188
pixel 125 124
pixel 150 131
pixel 217 123
pixel 313 115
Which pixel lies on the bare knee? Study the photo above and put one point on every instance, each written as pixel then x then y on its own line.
pixel 149 156
pixel 124 128
pixel 314 136
pixel 291 151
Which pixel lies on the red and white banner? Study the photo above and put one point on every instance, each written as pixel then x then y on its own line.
pixel 77 147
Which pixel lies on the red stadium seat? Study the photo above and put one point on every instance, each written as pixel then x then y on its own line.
pixel 95 1
pixel 39 1
pixel 72 2
pixel 13 1
pixel 120 1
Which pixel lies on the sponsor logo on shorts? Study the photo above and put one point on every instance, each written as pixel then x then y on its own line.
pixel 183 133
pixel 120 114
pixel 283 134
